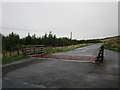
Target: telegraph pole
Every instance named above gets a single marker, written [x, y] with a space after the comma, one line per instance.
[71, 35]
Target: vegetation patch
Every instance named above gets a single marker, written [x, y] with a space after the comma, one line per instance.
[13, 43]
[9, 59]
[113, 48]
[63, 49]
[48, 50]
[112, 43]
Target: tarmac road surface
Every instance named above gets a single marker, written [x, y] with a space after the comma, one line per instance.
[52, 73]
[91, 50]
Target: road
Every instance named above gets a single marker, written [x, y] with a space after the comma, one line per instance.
[52, 73]
[91, 50]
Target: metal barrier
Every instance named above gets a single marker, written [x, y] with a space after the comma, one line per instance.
[33, 49]
[100, 56]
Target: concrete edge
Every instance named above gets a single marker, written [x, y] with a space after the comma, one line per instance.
[16, 65]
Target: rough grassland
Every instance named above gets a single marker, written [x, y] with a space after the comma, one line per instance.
[12, 58]
[63, 49]
[112, 43]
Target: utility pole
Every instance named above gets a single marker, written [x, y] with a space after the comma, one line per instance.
[71, 35]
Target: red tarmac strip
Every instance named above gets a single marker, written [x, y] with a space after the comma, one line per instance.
[68, 57]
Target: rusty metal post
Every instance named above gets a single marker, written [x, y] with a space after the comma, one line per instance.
[100, 56]
[102, 53]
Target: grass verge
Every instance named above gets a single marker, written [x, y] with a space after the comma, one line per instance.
[12, 58]
[63, 49]
[113, 48]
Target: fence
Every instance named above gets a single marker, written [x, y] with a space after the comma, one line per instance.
[33, 49]
[100, 56]
[12, 53]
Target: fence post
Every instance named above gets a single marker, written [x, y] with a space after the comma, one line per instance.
[4, 55]
[10, 53]
[34, 49]
[102, 53]
[18, 52]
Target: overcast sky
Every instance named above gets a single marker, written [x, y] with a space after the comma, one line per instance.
[84, 19]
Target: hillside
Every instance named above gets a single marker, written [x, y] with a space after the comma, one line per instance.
[112, 43]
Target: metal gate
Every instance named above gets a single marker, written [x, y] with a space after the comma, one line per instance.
[33, 50]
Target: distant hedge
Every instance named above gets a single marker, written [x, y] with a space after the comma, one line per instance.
[14, 42]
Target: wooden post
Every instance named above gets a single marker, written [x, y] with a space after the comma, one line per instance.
[34, 50]
[18, 52]
[10, 53]
[24, 50]
[4, 55]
